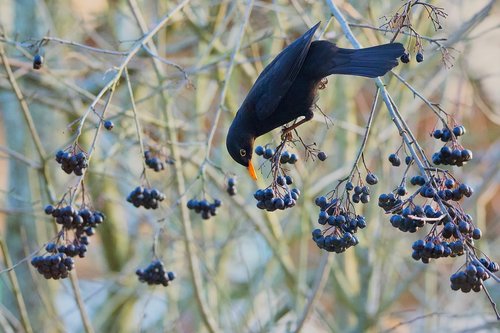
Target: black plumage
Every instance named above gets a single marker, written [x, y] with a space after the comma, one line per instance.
[287, 87]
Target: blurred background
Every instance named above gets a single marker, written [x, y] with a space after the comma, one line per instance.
[243, 270]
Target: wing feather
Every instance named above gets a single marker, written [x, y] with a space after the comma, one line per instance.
[275, 80]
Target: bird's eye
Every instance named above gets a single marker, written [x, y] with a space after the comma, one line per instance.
[243, 152]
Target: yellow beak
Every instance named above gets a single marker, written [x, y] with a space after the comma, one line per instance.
[251, 171]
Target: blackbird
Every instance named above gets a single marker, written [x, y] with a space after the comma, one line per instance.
[287, 87]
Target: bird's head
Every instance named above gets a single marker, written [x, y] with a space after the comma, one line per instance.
[240, 146]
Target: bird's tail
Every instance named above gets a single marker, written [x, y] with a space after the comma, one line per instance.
[369, 62]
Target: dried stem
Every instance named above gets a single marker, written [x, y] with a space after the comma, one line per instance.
[206, 315]
[14, 282]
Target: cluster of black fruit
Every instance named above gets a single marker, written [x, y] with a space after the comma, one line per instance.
[341, 225]
[472, 277]
[361, 193]
[445, 134]
[72, 162]
[285, 156]
[448, 189]
[148, 198]
[396, 161]
[436, 248]
[405, 58]
[155, 274]
[389, 201]
[271, 200]
[53, 266]
[153, 162]
[409, 218]
[447, 156]
[82, 221]
[231, 186]
[203, 207]
[77, 248]
[58, 262]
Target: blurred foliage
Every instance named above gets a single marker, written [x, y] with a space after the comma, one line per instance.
[244, 270]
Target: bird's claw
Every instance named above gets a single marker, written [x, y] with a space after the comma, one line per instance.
[286, 134]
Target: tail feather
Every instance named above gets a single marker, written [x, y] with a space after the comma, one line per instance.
[369, 62]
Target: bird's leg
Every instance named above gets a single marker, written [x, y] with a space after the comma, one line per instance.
[286, 132]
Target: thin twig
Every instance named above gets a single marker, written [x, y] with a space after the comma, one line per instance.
[20, 157]
[29, 121]
[82, 46]
[80, 303]
[137, 124]
[206, 314]
[21, 305]
[365, 136]
[321, 279]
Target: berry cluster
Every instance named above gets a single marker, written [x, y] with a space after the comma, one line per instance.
[155, 274]
[77, 247]
[405, 57]
[204, 208]
[82, 222]
[272, 199]
[285, 156]
[148, 198]
[446, 188]
[390, 201]
[426, 250]
[231, 186]
[71, 162]
[445, 134]
[472, 277]
[456, 155]
[53, 266]
[153, 162]
[341, 224]
[447, 156]
[361, 193]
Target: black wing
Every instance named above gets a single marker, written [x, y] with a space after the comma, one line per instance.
[275, 80]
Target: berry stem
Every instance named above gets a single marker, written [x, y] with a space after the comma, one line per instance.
[137, 125]
[365, 136]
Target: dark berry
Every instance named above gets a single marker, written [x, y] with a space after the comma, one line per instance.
[437, 133]
[371, 179]
[322, 156]
[459, 130]
[394, 160]
[268, 153]
[37, 61]
[419, 57]
[405, 58]
[108, 124]
[259, 150]
[285, 157]
[349, 186]
[293, 159]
